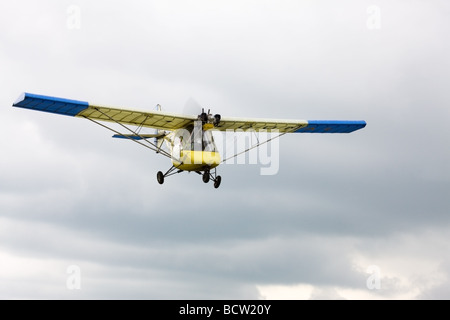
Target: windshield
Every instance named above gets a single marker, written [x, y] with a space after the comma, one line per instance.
[208, 141]
[198, 140]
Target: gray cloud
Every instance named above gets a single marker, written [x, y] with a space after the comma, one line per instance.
[69, 194]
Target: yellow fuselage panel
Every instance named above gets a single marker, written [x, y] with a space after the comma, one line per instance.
[196, 160]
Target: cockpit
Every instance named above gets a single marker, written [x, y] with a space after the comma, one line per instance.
[197, 139]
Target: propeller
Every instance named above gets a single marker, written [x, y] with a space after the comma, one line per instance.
[192, 107]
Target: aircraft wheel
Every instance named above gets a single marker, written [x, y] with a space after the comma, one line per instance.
[217, 182]
[160, 177]
[206, 177]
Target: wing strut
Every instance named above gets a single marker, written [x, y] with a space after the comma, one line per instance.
[255, 146]
[151, 146]
[129, 138]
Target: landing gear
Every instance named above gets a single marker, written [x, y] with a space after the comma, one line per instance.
[217, 182]
[160, 177]
[207, 176]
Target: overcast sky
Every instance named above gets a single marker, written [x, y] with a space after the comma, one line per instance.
[354, 216]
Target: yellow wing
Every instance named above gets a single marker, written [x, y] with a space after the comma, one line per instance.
[75, 108]
[152, 119]
[244, 124]
[169, 121]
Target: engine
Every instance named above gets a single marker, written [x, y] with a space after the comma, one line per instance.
[208, 118]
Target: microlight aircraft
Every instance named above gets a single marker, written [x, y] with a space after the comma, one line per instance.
[188, 139]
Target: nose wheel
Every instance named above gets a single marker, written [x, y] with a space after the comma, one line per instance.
[217, 182]
[205, 176]
[208, 176]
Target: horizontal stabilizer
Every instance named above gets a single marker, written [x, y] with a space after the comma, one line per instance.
[139, 137]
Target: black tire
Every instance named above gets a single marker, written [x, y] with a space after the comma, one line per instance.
[217, 182]
[206, 177]
[160, 177]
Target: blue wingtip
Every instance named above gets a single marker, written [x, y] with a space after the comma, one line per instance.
[333, 126]
[50, 104]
